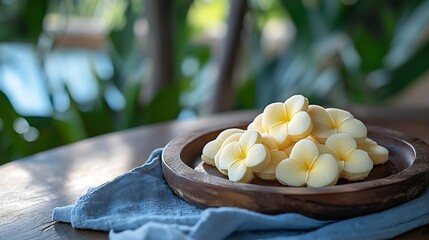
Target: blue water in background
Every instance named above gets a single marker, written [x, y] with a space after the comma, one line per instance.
[21, 79]
[39, 85]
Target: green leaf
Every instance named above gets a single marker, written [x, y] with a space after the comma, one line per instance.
[300, 17]
[33, 15]
[164, 106]
[409, 72]
[246, 95]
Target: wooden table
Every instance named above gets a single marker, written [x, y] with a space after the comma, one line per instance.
[31, 187]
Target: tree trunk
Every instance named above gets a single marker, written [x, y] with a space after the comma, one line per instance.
[223, 95]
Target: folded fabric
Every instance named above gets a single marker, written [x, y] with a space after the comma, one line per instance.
[140, 205]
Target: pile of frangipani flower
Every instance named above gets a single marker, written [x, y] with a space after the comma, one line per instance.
[298, 145]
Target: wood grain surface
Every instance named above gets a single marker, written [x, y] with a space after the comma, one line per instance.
[31, 187]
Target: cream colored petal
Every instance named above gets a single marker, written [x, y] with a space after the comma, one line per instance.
[217, 157]
[300, 126]
[248, 177]
[358, 161]
[207, 160]
[338, 115]
[280, 134]
[340, 166]
[321, 131]
[217, 164]
[210, 150]
[367, 144]
[238, 172]
[296, 104]
[370, 141]
[230, 153]
[248, 139]
[323, 149]
[319, 114]
[228, 132]
[285, 143]
[342, 144]
[288, 149]
[323, 124]
[277, 156]
[292, 172]
[233, 138]
[354, 176]
[269, 173]
[324, 171]
[274, 114]
[257, 158]
[257, 125]
[354, 128]
[377, 153]
[305, 151]
[269, 142]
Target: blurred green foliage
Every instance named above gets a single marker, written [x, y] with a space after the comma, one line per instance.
[334, 52]
[348, 52]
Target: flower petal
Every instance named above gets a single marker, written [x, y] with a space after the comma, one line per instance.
[305, 151]
[257, 158]
[291, 172]
[300, 126]
[288, 150]
[323, 149]
[257, 125]
[251, 126]
[323, 124]
[342, 144]
[210, 150]
[239, 173]
[269, 142]
[323, 172]
[319, 114]
[233, 138]
[280, 135]
[230, 153]
[223, 171]
[377, 153]
[274, 114]
[338, 115]
[248, 139]
[354, 128]
[228, 132]
[321, 131]
[269, 173]
[296, 104]
[358, 161]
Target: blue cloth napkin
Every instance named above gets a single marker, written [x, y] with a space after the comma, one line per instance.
[140, 205]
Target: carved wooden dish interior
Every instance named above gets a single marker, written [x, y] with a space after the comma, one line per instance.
[402, 178]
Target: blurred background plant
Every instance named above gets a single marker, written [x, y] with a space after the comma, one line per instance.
[74, 69]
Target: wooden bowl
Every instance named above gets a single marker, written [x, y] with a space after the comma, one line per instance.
[401, 179]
